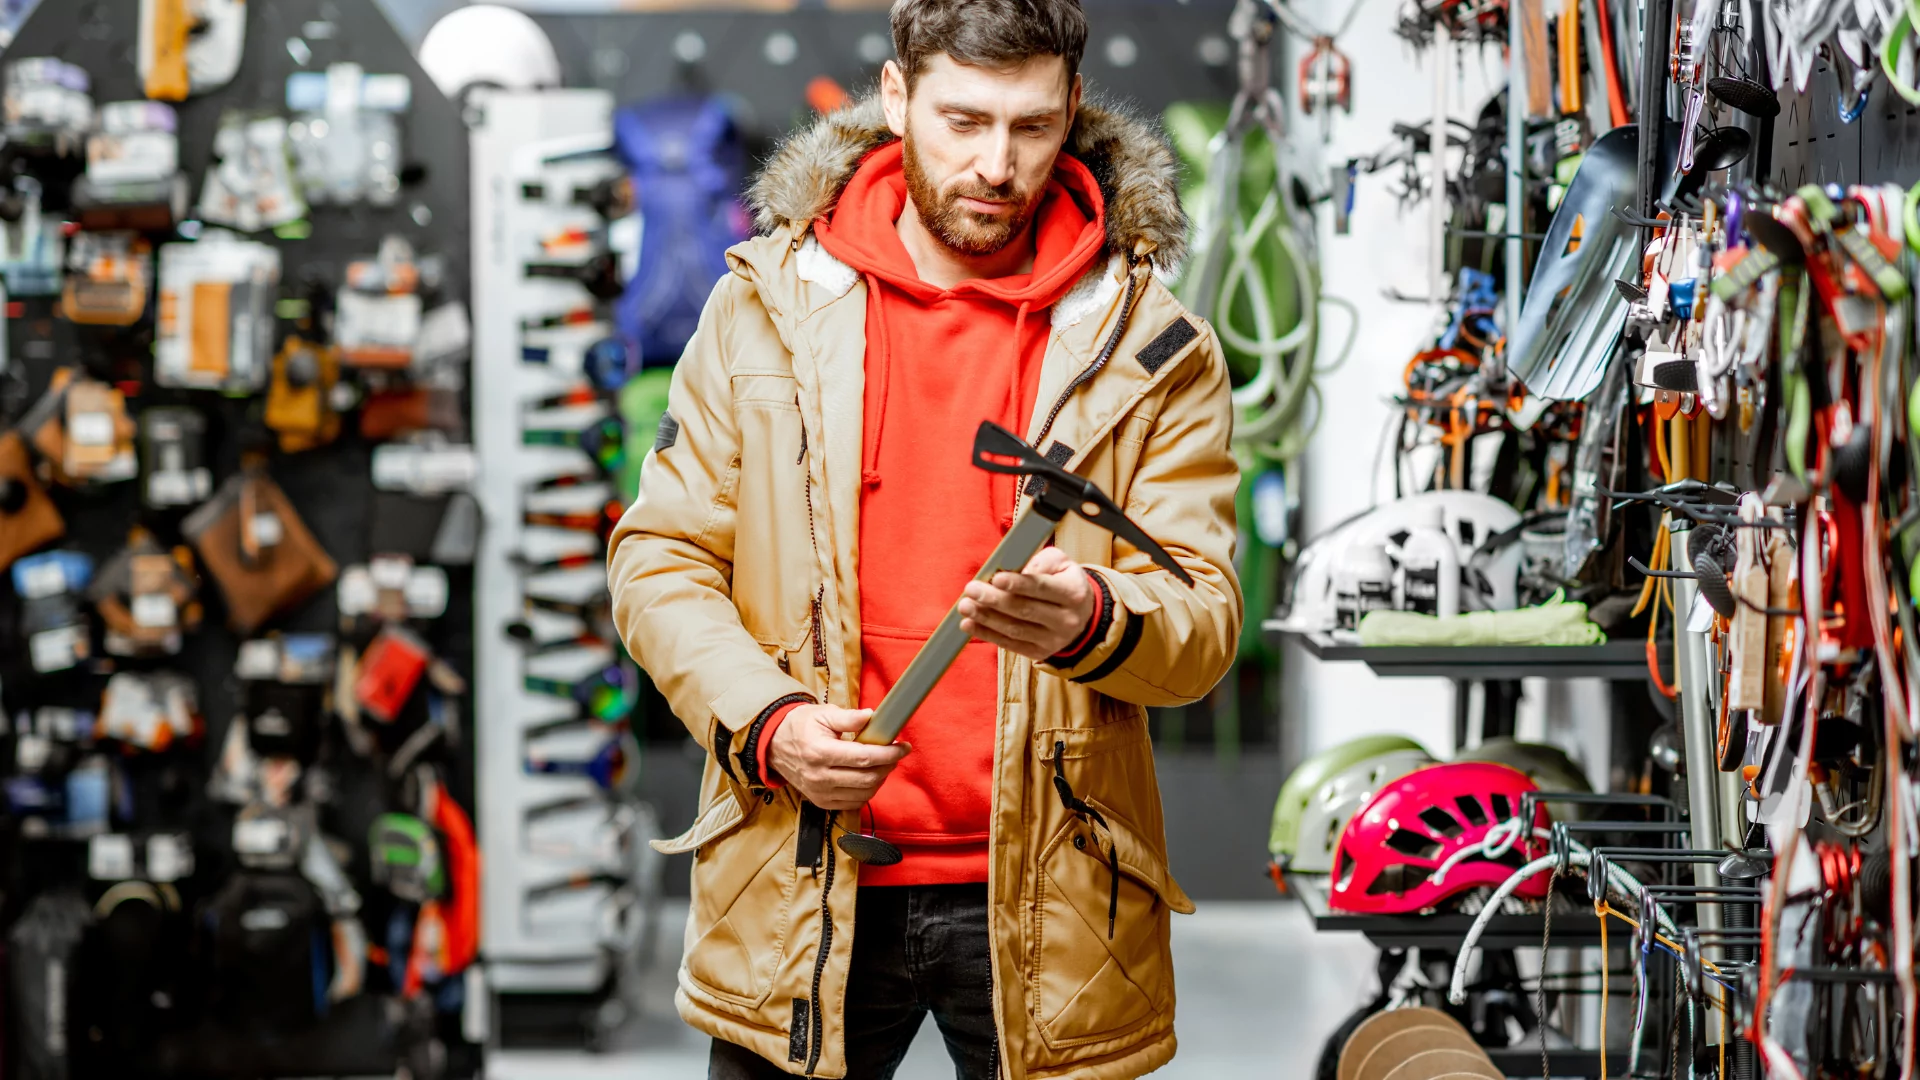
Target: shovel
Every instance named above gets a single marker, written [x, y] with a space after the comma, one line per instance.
[1055, 493]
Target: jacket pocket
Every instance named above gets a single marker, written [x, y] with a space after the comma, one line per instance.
[742, 897]
[773, 562]
[1102, 967]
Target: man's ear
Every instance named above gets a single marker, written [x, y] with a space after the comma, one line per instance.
[1073, 101]
[893, 97]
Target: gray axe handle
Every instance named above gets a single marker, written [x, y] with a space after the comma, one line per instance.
[1026, 538]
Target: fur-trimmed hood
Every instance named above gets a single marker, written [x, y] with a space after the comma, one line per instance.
[1137, 173]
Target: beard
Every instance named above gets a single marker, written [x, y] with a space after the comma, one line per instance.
[965, 231]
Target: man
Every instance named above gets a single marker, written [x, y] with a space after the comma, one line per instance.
[975, 244]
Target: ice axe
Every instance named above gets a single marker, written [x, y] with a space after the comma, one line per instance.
[1055, 493]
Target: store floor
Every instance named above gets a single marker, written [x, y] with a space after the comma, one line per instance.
[1258, 992]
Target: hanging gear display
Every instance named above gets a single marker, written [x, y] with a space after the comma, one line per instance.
[688, 164]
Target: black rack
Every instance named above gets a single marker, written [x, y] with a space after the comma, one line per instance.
[1570, 929]
[1617, 660]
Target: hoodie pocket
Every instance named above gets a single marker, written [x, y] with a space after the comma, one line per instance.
[1102, 967]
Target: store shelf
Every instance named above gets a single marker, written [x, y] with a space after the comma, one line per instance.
[1624, 660]
[1523, 1062]
[1439, 931]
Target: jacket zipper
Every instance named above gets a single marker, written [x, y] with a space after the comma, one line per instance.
[813, 539]
[1100, 361]
[818, 1034]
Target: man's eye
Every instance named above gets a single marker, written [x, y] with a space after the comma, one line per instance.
[1034, 130]
[961, 125]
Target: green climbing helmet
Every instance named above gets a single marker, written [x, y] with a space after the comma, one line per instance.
[1546, 765]
[1327, 789]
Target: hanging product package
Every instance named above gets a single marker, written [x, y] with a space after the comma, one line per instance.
[148, 598]
[270, 937]
[346, 134]
[250, 185]
[189, 47]
[254, 544]
[216, 321]
[173, 455]
[133, 178]
[40, 956]
[109, 276]
[28, 518]
[300, 406]
[378, 312]
[687, 160]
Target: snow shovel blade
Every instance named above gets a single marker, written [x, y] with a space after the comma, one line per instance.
[1572, 295]
[1055, 493]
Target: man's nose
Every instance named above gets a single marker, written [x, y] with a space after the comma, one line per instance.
[995, 164]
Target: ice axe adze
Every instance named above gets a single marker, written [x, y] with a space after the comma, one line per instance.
[1055, 493]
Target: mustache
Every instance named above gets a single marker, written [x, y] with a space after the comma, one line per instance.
[1007, 192]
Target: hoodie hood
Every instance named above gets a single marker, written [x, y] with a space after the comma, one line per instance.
[1137, 175]
[863, 232]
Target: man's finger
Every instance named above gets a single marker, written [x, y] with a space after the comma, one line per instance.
[1006, 625]
[982, 633]
[1048, 560]
[1045, 587]
[853, 755]
[847, 719]
[1040, 611]
[1010, 609]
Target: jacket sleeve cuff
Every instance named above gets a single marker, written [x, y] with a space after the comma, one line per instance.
[1116, 631]
[750, 754]
[762, 742]
[1097, 626]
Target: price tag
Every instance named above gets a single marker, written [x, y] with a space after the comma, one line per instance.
[110, 857]
[426, 590]
[155, 611]
[169, 857]
[44, 578]
[90, 429]
[267, 530]
[169, 489]
[259, 836]
[258, 659]
[57, 649]
[30, 752]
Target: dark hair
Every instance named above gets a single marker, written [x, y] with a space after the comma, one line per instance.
[987, 33]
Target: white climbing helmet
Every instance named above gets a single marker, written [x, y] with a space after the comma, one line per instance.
[488, 45]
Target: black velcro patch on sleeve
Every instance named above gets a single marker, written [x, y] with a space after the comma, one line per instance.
[1171, 340]
[1059, 453]
[668, 434]
[802, 1028]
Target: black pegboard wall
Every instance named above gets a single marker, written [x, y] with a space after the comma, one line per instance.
[331, 487]
[1144, 54]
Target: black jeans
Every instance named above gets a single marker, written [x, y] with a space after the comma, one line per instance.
[917, 949]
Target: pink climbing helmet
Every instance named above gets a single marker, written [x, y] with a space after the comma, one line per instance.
[1395, 847]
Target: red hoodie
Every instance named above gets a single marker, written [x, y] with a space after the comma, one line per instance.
[938, 362]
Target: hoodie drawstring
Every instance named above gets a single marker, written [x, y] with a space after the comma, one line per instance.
[870, 467]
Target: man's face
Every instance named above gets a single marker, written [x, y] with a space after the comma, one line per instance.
[980, 144]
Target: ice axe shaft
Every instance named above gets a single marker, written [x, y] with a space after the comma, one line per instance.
[1056, 493]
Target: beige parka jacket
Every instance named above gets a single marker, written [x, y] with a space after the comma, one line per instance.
[734, 585]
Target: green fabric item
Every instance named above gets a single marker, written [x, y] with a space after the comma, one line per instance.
[1553, 623]
[642, 401]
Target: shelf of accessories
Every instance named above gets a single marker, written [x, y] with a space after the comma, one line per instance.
[1614, 660]
[538, 934]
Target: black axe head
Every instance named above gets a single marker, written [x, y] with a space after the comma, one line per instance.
[998, 450]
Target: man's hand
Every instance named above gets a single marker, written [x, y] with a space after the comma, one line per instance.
[1037, 613]
[830, 772]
